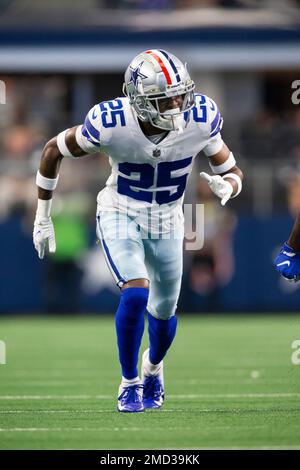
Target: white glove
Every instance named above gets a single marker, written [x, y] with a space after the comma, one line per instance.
[43, 231]
[219, 186]
[43, 234]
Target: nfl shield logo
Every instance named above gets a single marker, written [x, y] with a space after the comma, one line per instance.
[156, 153]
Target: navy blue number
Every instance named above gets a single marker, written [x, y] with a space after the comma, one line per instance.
[112, 112]
[145, 177]
[145, 181]
[199, 110]
[164, 178]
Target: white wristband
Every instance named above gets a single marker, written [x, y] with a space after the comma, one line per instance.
[43, 208]
[238, 180]
[46, 183]
[62, 146]
[227, 165]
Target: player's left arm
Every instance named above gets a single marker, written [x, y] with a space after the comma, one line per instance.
[227, 180]
[287, 262]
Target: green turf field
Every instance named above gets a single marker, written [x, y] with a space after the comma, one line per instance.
[229, 383]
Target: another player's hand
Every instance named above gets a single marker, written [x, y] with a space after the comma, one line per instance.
[43, 235]
[220, 187]
[287, 262]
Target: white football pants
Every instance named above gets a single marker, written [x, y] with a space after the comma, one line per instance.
[131, 254]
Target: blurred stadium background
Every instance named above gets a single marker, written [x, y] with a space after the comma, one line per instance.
[58, 58]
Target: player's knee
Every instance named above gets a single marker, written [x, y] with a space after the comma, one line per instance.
[136, 283]
[165, 316]
[165, 309]
[136, 298]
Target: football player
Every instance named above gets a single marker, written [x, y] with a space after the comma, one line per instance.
[151, 137]
[287, 262]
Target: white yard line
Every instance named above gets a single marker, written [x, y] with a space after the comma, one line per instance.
[236, 395]
[55, 397]
[71, 429]
[134, 428]
[113, 410]
[176, 397]
[84, 411]
[95, 411]
[4, 412]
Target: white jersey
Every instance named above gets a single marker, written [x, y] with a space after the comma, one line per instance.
[148, 180]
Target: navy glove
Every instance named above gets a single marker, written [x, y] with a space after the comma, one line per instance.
[287, 262]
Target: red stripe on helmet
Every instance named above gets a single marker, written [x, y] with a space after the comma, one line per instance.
[162, 66]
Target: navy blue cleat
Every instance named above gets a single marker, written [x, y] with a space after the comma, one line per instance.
[153, 384]
[130, 398]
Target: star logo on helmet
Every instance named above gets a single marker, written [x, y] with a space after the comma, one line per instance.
[136, 74]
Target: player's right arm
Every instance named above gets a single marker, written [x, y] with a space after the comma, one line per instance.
[71, 143]
[287, 262]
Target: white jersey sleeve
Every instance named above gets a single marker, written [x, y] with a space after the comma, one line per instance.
[214, 122]
[100, 124]
[88, 135]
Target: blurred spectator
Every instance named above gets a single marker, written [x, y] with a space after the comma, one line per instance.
[62, 276]
[18, 142]
[212, 267]
[293, 195]
[4, 5]
[155, 4]
[290, 135]
[259, 136]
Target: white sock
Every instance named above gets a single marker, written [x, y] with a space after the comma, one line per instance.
[151, 369]
[127, 382]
